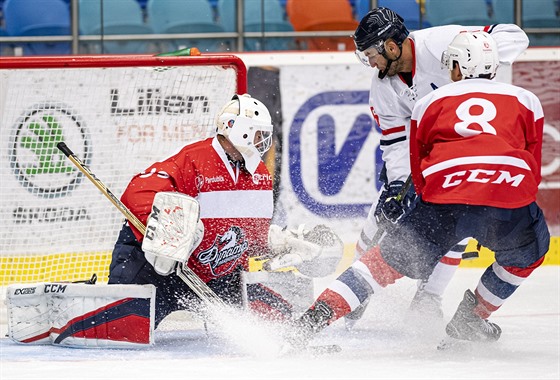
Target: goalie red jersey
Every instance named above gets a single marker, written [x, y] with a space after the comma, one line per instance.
[500, 166]
[235, 206]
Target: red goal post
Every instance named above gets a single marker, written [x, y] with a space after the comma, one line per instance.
[118, 114]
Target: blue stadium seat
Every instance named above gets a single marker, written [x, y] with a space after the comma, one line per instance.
[119, 17]
[143, 3]
[361, 8]
[5, 48]
[407, 9]
[461, 12]
[192, 16]
[541, 14]
[503, 11]
[535, 14]
[38, 18]
[274, 21]
[227, 14]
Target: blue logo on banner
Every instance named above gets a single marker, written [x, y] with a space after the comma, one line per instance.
[333, 169]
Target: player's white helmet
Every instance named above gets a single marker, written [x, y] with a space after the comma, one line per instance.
[476, 53]
[246, 122]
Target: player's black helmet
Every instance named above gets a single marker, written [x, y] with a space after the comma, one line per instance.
[377, 26]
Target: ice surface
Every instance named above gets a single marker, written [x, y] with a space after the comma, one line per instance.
[385, 344]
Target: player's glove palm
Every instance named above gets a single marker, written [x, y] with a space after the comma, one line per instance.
[389, 207]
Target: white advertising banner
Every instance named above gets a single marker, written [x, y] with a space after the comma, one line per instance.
[116, 120]
[331, 153]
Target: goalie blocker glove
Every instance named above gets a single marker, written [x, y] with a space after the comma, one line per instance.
[173, 231]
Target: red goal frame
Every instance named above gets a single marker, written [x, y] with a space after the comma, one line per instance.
[39, 62]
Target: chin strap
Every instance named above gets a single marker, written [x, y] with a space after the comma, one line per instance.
[383, 73]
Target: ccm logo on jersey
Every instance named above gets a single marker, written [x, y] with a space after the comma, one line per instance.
[482, 176]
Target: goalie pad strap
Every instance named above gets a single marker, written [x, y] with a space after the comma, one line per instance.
[79, 315]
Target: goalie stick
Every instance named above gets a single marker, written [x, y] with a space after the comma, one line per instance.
[183, 271]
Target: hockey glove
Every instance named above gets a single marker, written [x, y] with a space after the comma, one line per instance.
[173, 231]
[315, 252]
[389, 207]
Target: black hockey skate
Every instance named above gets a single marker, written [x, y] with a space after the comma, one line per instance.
[466, 325]
[303, 329]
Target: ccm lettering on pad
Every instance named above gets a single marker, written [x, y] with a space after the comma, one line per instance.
[80, 315]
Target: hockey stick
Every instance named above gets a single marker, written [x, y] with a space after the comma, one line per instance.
[380, 231]
[183, 271]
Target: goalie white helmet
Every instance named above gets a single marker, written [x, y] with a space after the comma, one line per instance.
[247, 124]
[475, 52]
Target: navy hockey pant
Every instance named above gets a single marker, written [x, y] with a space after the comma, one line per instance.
[519, 237]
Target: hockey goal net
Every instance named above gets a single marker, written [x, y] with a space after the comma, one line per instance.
[118, 114]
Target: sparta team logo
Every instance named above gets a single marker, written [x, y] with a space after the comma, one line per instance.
[223, 255]
[34, 157]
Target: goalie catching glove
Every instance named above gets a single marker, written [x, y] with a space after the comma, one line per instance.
[173, 231]
[315, 252]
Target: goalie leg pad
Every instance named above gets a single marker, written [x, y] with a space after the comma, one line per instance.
[80, 315]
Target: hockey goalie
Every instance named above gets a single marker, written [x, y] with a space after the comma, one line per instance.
[123, 315]
[204, 214]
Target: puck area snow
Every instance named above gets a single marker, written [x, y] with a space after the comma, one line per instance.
[386, 343]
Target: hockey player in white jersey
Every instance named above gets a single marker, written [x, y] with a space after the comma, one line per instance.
[475, 156]
[407, 67]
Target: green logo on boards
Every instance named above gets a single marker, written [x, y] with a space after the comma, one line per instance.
[43, 136]
[36, 161]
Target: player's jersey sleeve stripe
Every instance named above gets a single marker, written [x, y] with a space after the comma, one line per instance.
[389, 131]
[236, 204]
[500, 160]
[392, 141]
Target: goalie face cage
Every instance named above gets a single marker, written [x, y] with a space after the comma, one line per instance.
[118, 114]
